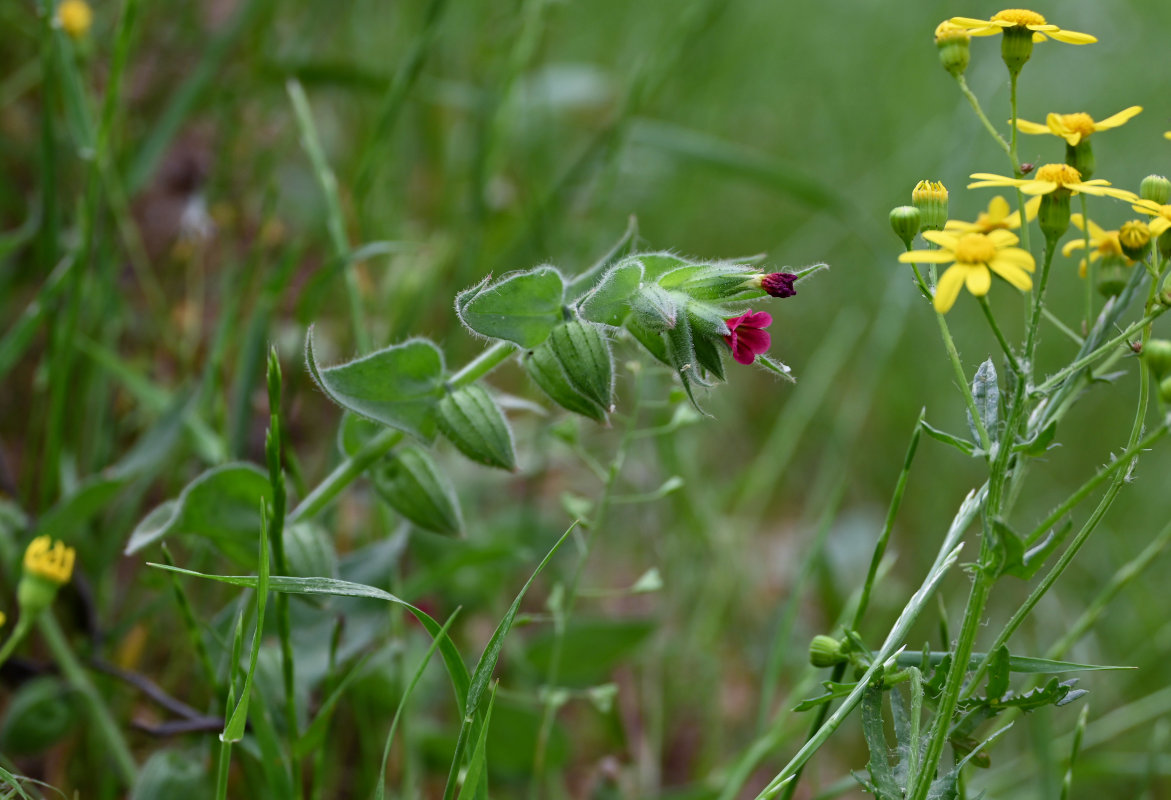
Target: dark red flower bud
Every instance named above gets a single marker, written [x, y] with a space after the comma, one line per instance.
[779, 284]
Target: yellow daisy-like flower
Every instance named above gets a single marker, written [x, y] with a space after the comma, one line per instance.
[50, 560]
[976, 257]
[997, 217]
[75, 17]
[1021, 18]
[1074, 128]
[1050, 178]
[1167, 135]
[1101, 243]
[1161, 214]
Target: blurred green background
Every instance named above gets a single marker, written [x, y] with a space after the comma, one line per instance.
[477, 138]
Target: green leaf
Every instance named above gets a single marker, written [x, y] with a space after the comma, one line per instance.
[609, 302]
[522, 307]
[986, 395]
[222, 504]
[872, 729]
[1040, 442]
[476, 778]
[482, 674]
[655, 265]
[456, 668]
[998, 669]
[173, 775]
[650, 339]
[472, 421]
[39, 714]
[397, 386]
[412, 484]
[1024, 564]
[1021, 664]
[963, 445]
[654, 308]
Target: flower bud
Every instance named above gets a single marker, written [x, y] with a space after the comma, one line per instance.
[546, 371]
[586, 359]
[778, 284]
[826, 651]
[1165, 389]
[1053, 215]
[1157, 354]
[1112, 276]
[952, 42]
[930, 197]
[411, 483]
[472, 421]
[1155, 188]
[48, 565]
[905, 222]
[1134, 237]
[75, 18]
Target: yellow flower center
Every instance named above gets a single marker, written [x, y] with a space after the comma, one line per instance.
[1080, 122]
[1019, 16]
[1135, 234]
[1061, 174]
[975, 248]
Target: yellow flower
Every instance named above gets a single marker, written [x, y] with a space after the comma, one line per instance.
[50, 560]
[75, 17]
[995, 218]
[976, 257]
[1012, 18]
[1134, 236]
[1101, 243]
[1074, 128]
[1050, 178]
[3, 619]
[1167, 135]
[1161, 214]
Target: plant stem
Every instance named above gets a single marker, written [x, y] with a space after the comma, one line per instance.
[965, 388]
[75, 673]
[1059, 377]
[1009, 150]
[1004, 345]
[1038, 300]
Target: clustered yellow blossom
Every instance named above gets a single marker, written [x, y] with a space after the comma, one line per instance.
[1074, 128]
[997, 217]
[1101, 242]
[75, 17]
[1161, 214]
[976, 256]
[1017, 18]
[50, 560]
[1051, 177]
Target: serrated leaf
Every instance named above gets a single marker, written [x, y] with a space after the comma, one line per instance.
[609, 302]
[585, 358]
[521, 307]
[412, 484]
[963, 445]
[471, 420]
[872, 728]
[1040, 442]
[222, 504]
[397, 386]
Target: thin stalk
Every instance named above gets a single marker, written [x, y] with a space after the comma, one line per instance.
[1009, 150]
[1004, 345]
[75, 673]
[965, 387]
[1057, 378]
[1038, 300]
[1089, 276]
[1015, 158]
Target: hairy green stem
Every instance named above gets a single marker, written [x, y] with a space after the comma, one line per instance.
[1009, 150]
[965, 388]
[1004, 345]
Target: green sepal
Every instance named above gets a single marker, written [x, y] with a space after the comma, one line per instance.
[652, 340]
[521, 307]
[545, 369]
[609, 302]
[584, 355]
[654, 308]
[472, 421]
[412, 484]
[712, 282]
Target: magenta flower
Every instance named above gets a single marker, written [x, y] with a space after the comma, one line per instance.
[747, 335]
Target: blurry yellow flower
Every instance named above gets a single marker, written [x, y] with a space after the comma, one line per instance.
[3, 619]
[948, 31]
[995, 218]
[1021, 18]
[1161, 214]
[1167, 135]
[1102, 243]
[1134, 236]
[50, 560]
[1050, 178]
[1073, 128]
[75, 17]
[976, 257]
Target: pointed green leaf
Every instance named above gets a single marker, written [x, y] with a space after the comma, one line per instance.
[963, 445]
[998, 668]
[397, 386]
[234, 728]
[521, 307]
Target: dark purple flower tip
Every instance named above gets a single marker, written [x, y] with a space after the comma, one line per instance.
[779, 284]
[747, 335]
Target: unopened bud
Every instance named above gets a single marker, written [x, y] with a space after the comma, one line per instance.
[952, 42]
[1157, 355]
[1134, 237]
[75, 18]
[1112, 276]
[1053, 215]
[472, 421]
[826, 651]
[905, 222]
[1080, 156]
[930, 197]
[1155, 188]
[1016, 47]
[779, 284]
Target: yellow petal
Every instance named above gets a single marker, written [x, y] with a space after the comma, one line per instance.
[1077, 221]
[927, 257]
[1096, 231]
[1031, 208]
[989, 176]
[1024, 126]
[1069, 247]
[969, 22]
[1072, 37]
[958, 226]
[1148, 207]
[1159, 225]
[1115, 120]
[949, 288]
[998, 208]
[1012, 273]
[1037, 187]
[1015, 255]
[979, 281]
[1002, 238]
[1167, 134]
[1038, 37]
[1044, 26]
[1071, 139]
[942, 239]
